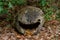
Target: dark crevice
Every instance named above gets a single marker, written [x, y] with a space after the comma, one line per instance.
[29, 26]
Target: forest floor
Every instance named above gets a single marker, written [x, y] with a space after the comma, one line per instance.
[50, 31]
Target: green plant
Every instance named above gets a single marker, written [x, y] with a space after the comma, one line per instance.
[5, 5]
[58, 15]
[42, 3]
[48, 13]
[47, 10]
[2, 9]
[18, 2]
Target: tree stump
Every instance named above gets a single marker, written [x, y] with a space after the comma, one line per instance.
[29, 20]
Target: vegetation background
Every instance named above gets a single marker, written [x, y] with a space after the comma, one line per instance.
[50, 7]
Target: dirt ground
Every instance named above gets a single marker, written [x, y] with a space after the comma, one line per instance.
[50, 31]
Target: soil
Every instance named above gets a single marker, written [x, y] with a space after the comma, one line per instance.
[50, 31]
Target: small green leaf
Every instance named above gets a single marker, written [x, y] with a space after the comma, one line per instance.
[1, 3]
[1, 9]
[10, 5]
[42, 2]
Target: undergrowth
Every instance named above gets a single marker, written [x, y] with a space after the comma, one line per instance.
[46, 6]
[49, 9]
